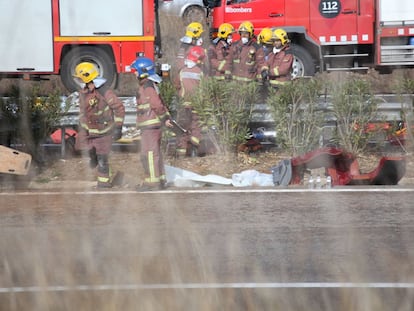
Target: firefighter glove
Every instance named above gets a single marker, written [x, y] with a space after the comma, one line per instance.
[117, 133]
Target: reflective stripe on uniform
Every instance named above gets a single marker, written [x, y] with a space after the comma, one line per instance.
[190, 75]
[99, 132]
[195, 140]
[151, 168]
[149, 122]
[242, 79]
[276, 82]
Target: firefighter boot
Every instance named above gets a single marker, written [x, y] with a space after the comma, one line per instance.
[103, 171]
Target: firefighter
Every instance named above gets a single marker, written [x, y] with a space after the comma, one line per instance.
[101, 116]
[265, 40]
[190, 77]
[191, 38]
[278, 66]
[218, 53]
[246, 54]
[152, 114]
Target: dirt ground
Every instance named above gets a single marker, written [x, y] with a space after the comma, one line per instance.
[74, 171]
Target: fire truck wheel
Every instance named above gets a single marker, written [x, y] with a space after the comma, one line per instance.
[87, 54]
[303, 64]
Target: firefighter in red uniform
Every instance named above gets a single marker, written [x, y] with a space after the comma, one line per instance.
[190, 77]
[191, 38]
[246, 54]
[101, 115]
[219, 54]
[152, 114]
[278, 66]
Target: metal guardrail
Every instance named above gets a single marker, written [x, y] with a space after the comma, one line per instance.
[390, 108]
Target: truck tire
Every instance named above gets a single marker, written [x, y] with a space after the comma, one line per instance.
[303, 64]
[87, 54]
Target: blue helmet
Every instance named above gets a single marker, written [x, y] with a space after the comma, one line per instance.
[146, 69]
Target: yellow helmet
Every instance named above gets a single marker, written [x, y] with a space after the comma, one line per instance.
[247, 27]
[194, 30]
[86, 71]
[265, 36]
[281, 35]
[225, 30]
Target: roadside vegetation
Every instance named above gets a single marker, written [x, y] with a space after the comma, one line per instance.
[29, 118]
[308, 113]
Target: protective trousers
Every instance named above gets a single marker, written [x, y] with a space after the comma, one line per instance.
[151, 157]
[99, 149]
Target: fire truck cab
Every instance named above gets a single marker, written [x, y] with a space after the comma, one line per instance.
[329, 35]
[52, 36]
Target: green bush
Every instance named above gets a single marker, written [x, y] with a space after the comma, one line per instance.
[31, 117]
[405, 91]
[297, 116]
[354, 107]
[225, 107]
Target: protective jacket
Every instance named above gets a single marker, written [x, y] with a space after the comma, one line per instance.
[99, 114]
[279, 66]
[189, 80]
[220, 59]
[247, 59]
[151, 111]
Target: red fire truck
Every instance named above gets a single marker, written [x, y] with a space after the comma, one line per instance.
[52, 36]
[331, 34]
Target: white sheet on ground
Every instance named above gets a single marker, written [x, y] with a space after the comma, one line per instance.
[184, 178]
[252, 178]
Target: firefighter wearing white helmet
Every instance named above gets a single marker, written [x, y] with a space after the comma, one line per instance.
[152, 115]
[101, 116]
[278, 66]
[246, 55]
[219, 54]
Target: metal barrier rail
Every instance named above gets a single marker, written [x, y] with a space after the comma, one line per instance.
[390, 108]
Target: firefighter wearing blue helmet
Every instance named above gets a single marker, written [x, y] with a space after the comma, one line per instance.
[152, 115]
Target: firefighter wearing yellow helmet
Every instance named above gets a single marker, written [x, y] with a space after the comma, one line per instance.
[278, 65]
[218, 52]
[246, 55]
[101, 116]
[192, 37]
[265, 40]
[194, 30]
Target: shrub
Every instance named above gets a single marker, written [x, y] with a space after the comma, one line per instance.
[405, 89]
[354, 107]
[31, 118]
[298, 119]
[225, 107]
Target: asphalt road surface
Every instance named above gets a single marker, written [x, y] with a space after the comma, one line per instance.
[345, 248]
